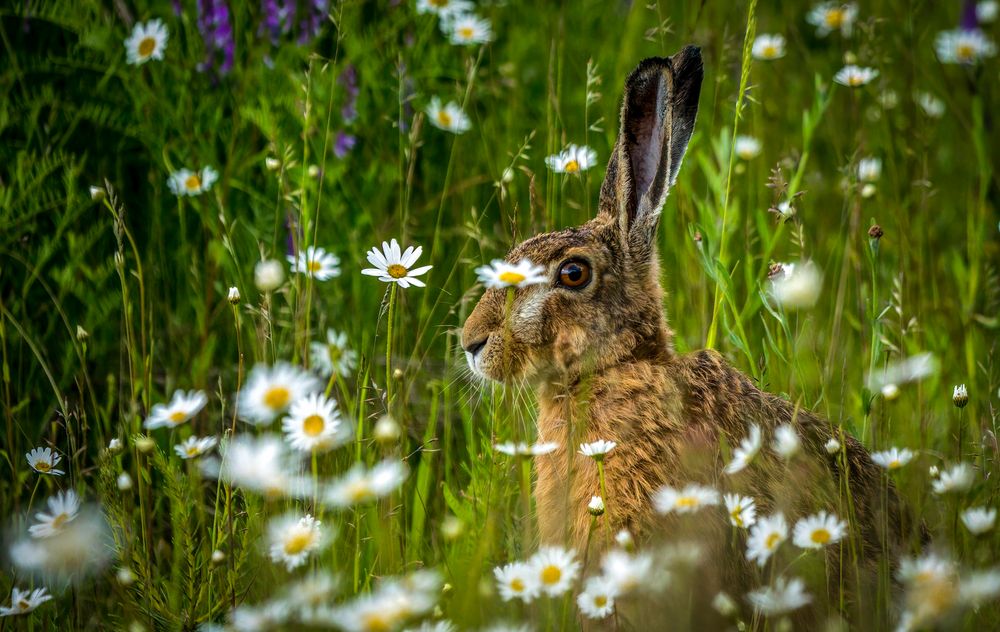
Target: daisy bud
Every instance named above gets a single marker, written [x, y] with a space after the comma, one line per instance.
[387, 430]
[397, 374]
[890, 391]
[234, 295]
[832, 446]
[933, 471]
[218, 557]
[268, 275]
[875, 232]
[81, 333]
[273, 164]
[145, 444]
[850, 57]
[960, 396]
[724, 604]
[624, 539]
[115, 445]
[452, 527]
[124, 481]
[125, 576]
[697, 238]
[596, 506]
[313, 171]
[868, 190]
[97, 193]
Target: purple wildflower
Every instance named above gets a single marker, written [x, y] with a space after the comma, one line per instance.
[216, 30]
[344, 143]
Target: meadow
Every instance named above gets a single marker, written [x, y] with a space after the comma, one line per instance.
[239, 242]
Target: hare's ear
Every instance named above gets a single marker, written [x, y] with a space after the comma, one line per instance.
[657, 118]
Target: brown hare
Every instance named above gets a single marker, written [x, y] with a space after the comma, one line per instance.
[594, 343]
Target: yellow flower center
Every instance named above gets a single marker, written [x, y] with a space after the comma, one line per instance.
[772, 541]
[737, 517]
[856, 79]
[193, 182]
[600, 601]
[466, 32]
[376, 622]
[517, 585]
[688, 502]
[276, 397]
[359, 492]
[314, 266]
[439, 3]
[298, 542]
[147, 46]
[834, 18]
[177, 416]
[572, 166]
[313, 425]
[60, 520]
[192, 450]
[551, 574]
[444, 119]
[820, 536]
[23, 604]
[964, 52]
[893, 464]
[770, 51]
[396, 271]
[43, 466]
[510, 277]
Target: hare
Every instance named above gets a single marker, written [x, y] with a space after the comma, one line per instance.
[594, 344]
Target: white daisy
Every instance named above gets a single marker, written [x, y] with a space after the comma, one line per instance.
[314, 424]
[500, 274]
[893, 458]
[517, 581]
[987, 11]
[978, 587]
[524, 449]
[449, 117]
[596, 506]
[573, 159]
[597, 600]
[747, 147]
[928, 569]
[394, 266]
[963, 46]
[819, 530]
[742, 510]
[786, 441]
[269, 391]
[747, 450]
[767, 46]
[832, 446]
[555, 569]
[193, 447]
[44, 461]
[765, 538]
[626, 572]
[960, 395]
[724, 604]
[467, 29]
[784, 596]
[979, 520]
[833, 16]
[268, 275]
[597, 449]
[957, 479]
[334, 356]
[444, 8]
[262, 464]
[797, 286]
[687, 500]
[63, 508]
[293, 539]
[361, 485]
[869, 169]
[186, 182]
[315, 262]
[930, 104]
[182, 407]
[147, 41]
[24, 601]
[855, 76]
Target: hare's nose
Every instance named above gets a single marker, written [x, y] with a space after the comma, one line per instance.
[475, 346]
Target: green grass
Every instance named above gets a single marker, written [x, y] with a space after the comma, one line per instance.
[107, 307]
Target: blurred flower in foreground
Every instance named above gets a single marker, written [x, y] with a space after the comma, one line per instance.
[958, 478]
[293, 539]
[930, 104]
[147, 41]
[186, 182]
[869, 169]
[334, 356]
[893, 458]
[687, 500]
[193, 447]
[911, 369]
[500, 274]
[855, 76]
[524, 449]
[268, 275]
[449, 117]
[269, 391]
[516, 581]
[963, 46]
[182, 407]
[597, 600]
[44, 461]
[361, 485]
[572, 159]
[67, 543]
[784, 596]
[833, 16]
[315, 262]
[24, 601]
[765, 538]
[443, 8]
[63, 508]
[466, 29]
[747, 450]
[393, 266]
[768, 46]
[979, 520]
[261, 464]
[987, 11]
[747, 147]
[797, 285]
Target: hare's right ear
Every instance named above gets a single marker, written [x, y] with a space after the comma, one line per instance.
[657, 118]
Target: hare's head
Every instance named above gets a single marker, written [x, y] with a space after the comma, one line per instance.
[601, 303]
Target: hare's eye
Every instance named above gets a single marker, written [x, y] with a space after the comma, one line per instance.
[574, 274]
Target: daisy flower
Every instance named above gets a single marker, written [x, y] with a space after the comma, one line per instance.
[724, 604]
[182, 407]
[832, 446]
[293, 539]
[44, 461]
[24, 601]
[742, 510]
[449, 117]
[334, 356]
[960, 395]
[797, 286]
[517, 581]
[869, 169]
[467, 29]
[784, 596]
[269, 391]
[963, 46]
[976, 588]
[555, 569]
[786, 441]
[930, 104]
[500, 274]
[626, 572]
[688, 500]
[523, 449]
[747, 147]
[262, 464]
[186, 182]
[833, 16]
[63, 508]
[596, 506]
[597, 600]
[765, 538]
[767, 46]
[928, 569]
[314, 424]
[597, 450]
[444, 8]
[147, 41]
[193, 447]
[819, 530]
[573, 159]
[393, 266]
[268, 275]
[361, 485]
[315, 262]
[979, 520]
[957, 479]
[987, 11]
[747, 450]
[893, 458]
[855, 76]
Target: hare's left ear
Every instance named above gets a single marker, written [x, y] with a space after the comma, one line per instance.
[657, 118]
